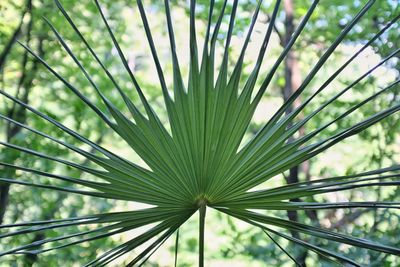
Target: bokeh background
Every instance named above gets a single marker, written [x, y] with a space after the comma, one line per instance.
[228, 242]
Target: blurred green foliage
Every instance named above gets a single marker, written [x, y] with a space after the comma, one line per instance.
[240, 246]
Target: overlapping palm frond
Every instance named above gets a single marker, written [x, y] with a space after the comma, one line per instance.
[199, 162]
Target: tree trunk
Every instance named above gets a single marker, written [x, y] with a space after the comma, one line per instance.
[292, 83]
[16, 112]
[14, 36]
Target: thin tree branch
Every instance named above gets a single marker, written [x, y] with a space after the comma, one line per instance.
[14, 36]
[277, 31]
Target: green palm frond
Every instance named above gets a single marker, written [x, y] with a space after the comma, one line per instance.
[200, 161]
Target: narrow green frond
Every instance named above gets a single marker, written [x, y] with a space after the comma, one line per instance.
[207, 152]
[314, 231]
[281, 248]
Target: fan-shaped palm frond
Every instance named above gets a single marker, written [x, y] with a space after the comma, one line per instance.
[199, 161]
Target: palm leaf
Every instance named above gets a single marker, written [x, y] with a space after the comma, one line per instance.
[199, 162]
